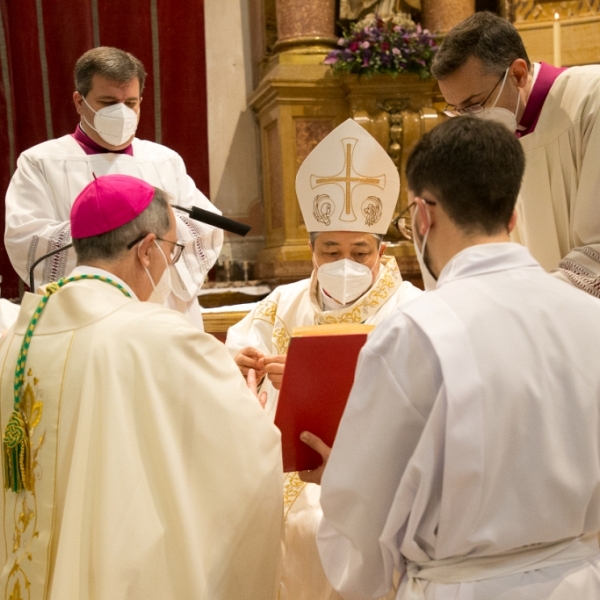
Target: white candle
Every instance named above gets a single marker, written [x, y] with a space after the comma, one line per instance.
[556, 45]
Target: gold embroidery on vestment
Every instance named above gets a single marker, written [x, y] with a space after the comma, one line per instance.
[376, 296]
[16, 593]
[281, 337]
[26, 510]
[292, 488]
[266, 311]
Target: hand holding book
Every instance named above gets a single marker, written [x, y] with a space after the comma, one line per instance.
[319, 373]
[318, 445]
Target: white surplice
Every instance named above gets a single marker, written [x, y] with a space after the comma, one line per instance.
[157, 473]
[559, 207]
[51, 175]
[8, 314]
[472, 430]
[268, 328]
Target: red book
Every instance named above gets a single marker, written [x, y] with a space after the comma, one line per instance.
[318, 376]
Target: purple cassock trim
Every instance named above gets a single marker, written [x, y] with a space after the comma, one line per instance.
[89, 146]
[546, 77]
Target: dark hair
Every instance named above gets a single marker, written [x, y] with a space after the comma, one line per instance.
[314, 234]
[112, 245]
[484, 35]
[474, 168]
[111, 63]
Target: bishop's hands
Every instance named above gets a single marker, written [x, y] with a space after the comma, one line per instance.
[265, 366]
[250, 358]
[318, 445]
[252, 383]
[273, 369]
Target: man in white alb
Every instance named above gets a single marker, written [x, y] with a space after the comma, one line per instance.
[137, 464]
[483, 70]
[109, 84]
[352, 282]
[468, 455]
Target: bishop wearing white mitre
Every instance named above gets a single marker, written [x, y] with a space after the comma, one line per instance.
[347, 188]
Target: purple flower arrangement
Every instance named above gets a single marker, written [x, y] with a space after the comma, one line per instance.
[386, 47]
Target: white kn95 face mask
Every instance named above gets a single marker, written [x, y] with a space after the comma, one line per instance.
[344, 280]
[115, 124]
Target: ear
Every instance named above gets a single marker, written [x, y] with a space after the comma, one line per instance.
[382, 248]
[78, 101]
[425, 216]
[513, 221]
[144, 248]
[519, 71]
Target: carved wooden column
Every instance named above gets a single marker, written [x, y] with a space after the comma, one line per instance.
[442, 15]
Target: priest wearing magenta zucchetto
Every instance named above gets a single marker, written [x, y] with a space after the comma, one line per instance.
[129, 436]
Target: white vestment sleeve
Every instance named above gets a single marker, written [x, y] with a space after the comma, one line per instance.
[203, 243]
[49, 178]
[381, 426]
[35, 224]
[199, 476]
[581, 266]
[251, 331]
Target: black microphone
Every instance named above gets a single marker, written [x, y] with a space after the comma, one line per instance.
[39, 260]
[198, 214]
[216, 220]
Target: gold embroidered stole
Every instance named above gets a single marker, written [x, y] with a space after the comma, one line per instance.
[29, 515]
[388, 280]
[383, 289]
[385, 286]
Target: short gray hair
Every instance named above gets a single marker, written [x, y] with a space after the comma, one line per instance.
[484, 35]
[314, 234]
[111, 63]
[112, 245]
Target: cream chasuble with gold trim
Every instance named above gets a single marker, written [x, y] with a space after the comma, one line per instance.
[268, 328]
[28, 516]
[145, 438]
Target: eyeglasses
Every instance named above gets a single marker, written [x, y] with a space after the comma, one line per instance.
[473, 109]
[175, 253]
[403, 224]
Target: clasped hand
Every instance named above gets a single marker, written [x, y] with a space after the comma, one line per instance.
[265, 366]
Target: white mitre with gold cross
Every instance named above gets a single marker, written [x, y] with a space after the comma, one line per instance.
[348, 183]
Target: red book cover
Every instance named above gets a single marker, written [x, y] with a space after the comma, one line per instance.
[318, 376]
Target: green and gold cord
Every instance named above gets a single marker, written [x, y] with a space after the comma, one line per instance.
[16, 439]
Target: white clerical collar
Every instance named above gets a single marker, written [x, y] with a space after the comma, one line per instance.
[486, 258]
[86, 270]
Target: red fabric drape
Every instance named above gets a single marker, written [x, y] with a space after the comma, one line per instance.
[32, 112]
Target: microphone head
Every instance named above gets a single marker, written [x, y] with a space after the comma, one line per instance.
[216, 220]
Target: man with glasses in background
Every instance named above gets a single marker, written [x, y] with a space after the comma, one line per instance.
[483, 70]
[129, 435]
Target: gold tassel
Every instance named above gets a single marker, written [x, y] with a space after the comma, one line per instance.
[16, 454]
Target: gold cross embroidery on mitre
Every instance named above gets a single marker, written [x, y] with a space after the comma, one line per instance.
[350, 178]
